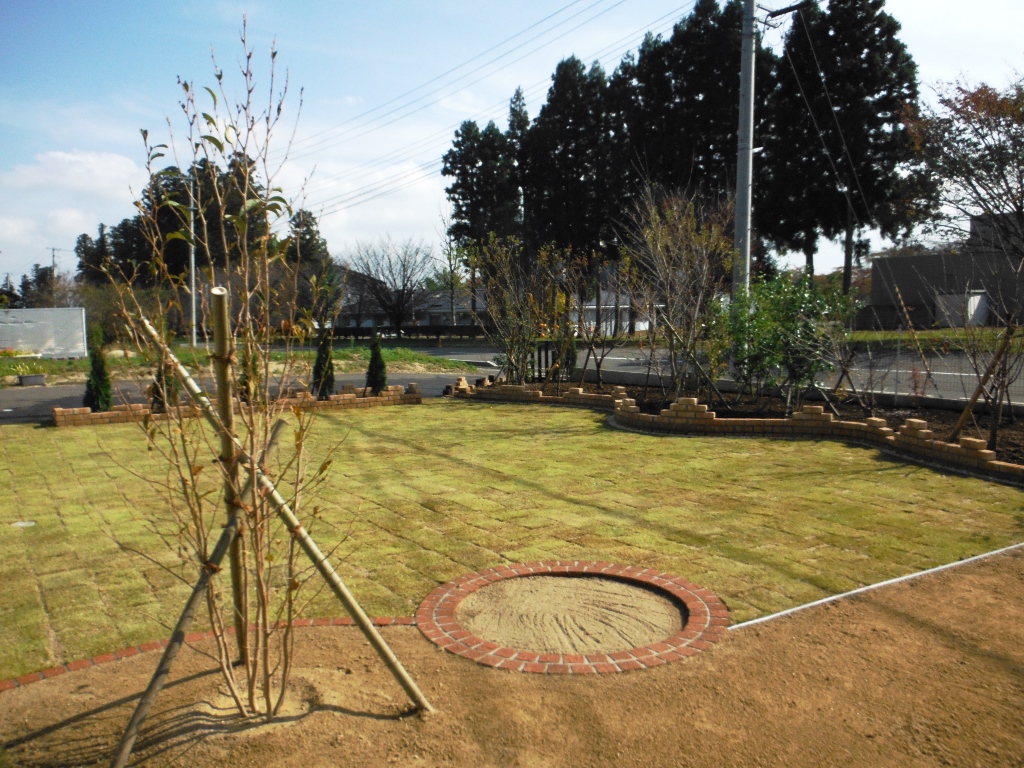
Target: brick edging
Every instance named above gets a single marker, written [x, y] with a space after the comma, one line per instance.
[192, 637]
[136, 412]
[912, 441]
[706, 621]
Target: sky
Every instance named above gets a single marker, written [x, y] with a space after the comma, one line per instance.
[383, 87]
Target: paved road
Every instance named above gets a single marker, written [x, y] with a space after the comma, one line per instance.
[35, 404]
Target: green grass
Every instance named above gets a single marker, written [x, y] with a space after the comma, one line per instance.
[437, 490]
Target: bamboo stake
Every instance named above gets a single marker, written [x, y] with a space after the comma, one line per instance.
[305, 540]
[222, 353]
[188, 615]
[1003, 346]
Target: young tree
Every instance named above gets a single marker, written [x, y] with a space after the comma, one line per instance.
[323, 368]
[679, 252]
[377, 371]
[974, 144]
[98, 395]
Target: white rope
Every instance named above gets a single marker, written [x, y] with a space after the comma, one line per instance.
[879, 585]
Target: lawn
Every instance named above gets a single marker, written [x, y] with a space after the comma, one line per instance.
[430, 492]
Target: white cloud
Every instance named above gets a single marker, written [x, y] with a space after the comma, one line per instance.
[60, 195]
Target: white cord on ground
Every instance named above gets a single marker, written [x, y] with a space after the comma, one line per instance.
[880, 584]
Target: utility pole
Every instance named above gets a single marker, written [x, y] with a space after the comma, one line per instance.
[53, 275]
[745, 145]
[745, 155]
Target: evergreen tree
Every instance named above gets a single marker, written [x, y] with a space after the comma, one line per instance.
[377, 372]
[98, 395]
[323, 368]
[164, 391]
[840, 150]
[569, 189]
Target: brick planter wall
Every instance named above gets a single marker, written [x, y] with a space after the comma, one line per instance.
[912, 440]
[525, 393]
[349, 398]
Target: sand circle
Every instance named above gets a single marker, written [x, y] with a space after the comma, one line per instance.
[554, 613]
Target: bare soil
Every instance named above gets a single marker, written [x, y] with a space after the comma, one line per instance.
[555, 614]
[929, 672]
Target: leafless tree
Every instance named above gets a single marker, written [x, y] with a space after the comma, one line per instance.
[398, 271]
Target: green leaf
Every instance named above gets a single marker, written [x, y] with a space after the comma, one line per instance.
[209, 119]
[213, 140]
[181, 234]
[212, 95]
[252, 203]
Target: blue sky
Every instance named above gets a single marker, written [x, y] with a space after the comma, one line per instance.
[78, 81]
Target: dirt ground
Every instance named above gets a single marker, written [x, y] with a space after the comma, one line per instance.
[930, 672]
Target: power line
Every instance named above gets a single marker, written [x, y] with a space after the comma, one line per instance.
[835, 117]
[374, 191]
[345, 133]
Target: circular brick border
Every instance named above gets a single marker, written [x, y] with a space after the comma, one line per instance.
[707, 619]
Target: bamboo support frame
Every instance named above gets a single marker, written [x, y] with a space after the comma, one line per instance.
[188, 615]
[1003, 347]
[301, 535]
[222, 354]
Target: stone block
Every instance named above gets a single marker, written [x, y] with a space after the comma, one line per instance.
[814, 409]
[916, 424]
[973, 443]
[877, 423]
[687, 401]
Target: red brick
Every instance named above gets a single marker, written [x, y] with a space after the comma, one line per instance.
[598, 658]
[527, 656]
[53, 672]
[659, 647]
[629, 666]
[383, 621]
[620, 656]
[700, 645]
[573, 658]
[491, 661]
[473, 653]
[405, 621]
[146, 647]
[605, 668]
[511, 664]
[582, 669]
[651, 661]
[32, 677]
[302, 623]
[7, 685]
[74, 666]
[505, 653]
[104, 658]
[488, 646]
[458, 648]
[551, 658]
[535, 667]
[642, 650]
[124, 653]
[194, 637]
[558, 669]
[687, 651]
[670, 656]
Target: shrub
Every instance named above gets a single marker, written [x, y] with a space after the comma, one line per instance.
[164, 391]
[97, 390]
[377, 373]
[323, 368]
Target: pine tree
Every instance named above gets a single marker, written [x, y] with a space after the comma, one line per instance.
[840, 150]
[323, 368]
[98, 394]
[376, 373]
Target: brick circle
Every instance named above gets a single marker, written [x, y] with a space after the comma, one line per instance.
[706, 620]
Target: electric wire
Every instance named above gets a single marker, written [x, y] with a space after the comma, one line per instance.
[835, 117]
[443, 74]
[402, 180]
[814, 121]
[346, 134]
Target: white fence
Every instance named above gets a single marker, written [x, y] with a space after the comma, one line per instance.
[44, 332]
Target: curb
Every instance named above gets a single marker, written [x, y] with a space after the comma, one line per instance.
[193, 637]
[706, 621]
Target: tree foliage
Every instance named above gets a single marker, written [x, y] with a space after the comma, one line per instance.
[376, 371]
[98, 394]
